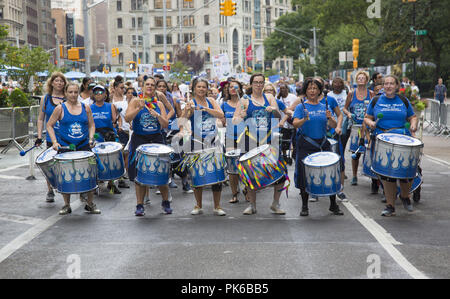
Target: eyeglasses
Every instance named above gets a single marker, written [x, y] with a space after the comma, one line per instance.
[99, 92]
[258, 82]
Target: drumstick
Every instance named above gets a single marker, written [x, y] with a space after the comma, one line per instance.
[23, 153]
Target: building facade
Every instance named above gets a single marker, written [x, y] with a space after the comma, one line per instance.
[12, 15]
[137, 28]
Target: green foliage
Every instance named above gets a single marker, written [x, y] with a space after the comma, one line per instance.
[3, 98]
[18, 98]
[178, 71]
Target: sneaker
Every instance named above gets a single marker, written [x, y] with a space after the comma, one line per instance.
[388, 211]
[219, 212]
[92, 209]
[407, 204]
[165, 204]
[113, 189]
[336, 211]
[146, 200]
[123, 184]
[172, 184]
[50, 196]
[304, 212]
[374, 188]
[196, 211]
[276, 210]
[170, 197]
[354, 181]
[158, 192]
[313, 198]
[187, 188]
[249, 211]
[140, 211]
[342, 197]
[65, 210]
[383, 199]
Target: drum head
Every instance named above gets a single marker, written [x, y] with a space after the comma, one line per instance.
[233, 153]
[74, 155]
[46, 156]
[107, 147]
[155, 149]
[321, 159]
[254, 152]
[399, 139]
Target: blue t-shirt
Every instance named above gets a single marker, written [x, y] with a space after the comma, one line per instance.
[332, 103]
[394, 112]
[281, 105]
[228, 111]
[316, 126]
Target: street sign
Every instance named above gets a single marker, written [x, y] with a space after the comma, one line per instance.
[166, 67]
[372, 61]
[421, 32]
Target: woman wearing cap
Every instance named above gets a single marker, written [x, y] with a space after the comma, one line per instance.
[55, 87]
[396, 112]
[258, 109]
[76, 126]
[147, 128]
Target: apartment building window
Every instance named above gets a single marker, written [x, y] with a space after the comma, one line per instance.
[136, 4]
[247, 6]
[207, 41]
[188, 4]
[268, 2]
[139, 40]
[205, 3]
[188, 38]
[159, 22]
[119, 22]
[159, 4]
[139, 22]
[206, 19]
[189, 21]
[159, 39]
[119, 5]
[120, 39]
[120, 58]
[207, 56]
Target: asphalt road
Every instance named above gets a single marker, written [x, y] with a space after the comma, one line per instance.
[37, 243]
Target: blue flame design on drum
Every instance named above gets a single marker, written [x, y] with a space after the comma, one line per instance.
[153, 164]
[110, 155]
[46, 163]
[354, 137]
[396, 156]
[76, 172]
[367, 164]
[208, 167]
[323, 175]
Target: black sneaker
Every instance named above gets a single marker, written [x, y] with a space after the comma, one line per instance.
[140, 211]
[50, 196]
[304, 212]
[407, 204]
[374, 188]
[388, 211]
[336, 211]
[113, 189]
[123, 184]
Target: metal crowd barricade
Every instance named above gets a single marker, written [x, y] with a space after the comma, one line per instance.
[16, 120]
[434, 121]
[444, 129]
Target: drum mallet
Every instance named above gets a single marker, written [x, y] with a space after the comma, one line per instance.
[23, 153]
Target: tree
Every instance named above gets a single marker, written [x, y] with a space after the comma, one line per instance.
[193, 59]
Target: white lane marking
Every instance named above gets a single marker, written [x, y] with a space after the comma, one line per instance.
[438, 161]
[19, 219]
[10, 177]
[14, 167]
[32, 233]
[386, 241]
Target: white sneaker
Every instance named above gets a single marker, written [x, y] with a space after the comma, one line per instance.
[219, 212]
[196, 211]
[249, 211]
[146, 200]
[158, 192]
[170, 197]
[314, 199]
[277, 210]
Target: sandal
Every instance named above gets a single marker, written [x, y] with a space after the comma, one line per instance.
[234, 199]
[245, 194]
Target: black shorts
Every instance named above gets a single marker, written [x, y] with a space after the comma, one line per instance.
[123, 137]
[393, 180]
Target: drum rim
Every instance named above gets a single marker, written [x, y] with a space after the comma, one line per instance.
[139, 149]
[329, 194]
[244, 158]
[46, 161]
[109, 142]
[338, 159]
[421, 144]
[90, 155]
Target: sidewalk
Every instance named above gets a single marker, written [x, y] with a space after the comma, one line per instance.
[437, 147]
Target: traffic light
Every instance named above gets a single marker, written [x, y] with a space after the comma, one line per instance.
[355, 47]
[189, 48]
[355, 64]
[73, 54]
[61, 51]
[209, 50]
[132, 65]
[115, 52]
[228, 8]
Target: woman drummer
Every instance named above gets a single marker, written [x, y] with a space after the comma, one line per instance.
[229, 107]
[396, 112]
[311, 118]
[76, 127]
[55, 88]
[355, 108]
[148, 123]
[257, 110]
[203, 113]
